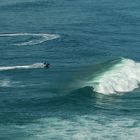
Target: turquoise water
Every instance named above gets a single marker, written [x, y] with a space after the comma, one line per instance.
[91, 90]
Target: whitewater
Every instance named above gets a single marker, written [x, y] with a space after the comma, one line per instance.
[121, 77]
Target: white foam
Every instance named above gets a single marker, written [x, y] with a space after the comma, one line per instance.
[36, 65]
[82, 127]
[40, 38]
[5, 83]
[123, 77]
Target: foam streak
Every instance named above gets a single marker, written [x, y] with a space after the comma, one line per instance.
[40, 38]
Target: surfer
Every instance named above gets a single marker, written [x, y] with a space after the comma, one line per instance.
[46, 65]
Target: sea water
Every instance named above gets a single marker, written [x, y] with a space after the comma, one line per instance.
[91, 90]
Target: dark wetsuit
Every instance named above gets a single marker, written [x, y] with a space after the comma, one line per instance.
[46, 65]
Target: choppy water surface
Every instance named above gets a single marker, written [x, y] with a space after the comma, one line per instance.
[91, 90]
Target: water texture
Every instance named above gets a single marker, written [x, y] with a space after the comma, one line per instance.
[92, 88]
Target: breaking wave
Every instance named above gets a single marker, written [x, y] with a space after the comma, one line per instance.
[123, 76]
[33, 66]
[36, 38]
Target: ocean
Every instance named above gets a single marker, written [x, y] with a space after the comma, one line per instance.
[91, 90]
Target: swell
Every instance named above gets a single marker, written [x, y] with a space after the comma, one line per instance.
[119, 76]
[36, 38]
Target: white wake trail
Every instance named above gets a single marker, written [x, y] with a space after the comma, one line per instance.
[33, 66]
[39, 38]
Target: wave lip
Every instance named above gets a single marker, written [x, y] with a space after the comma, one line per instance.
[122, 77]
[40, 38]
[33, 66]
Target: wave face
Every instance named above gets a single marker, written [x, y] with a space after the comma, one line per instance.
[36, 38]
[121, 77]
[33, 66]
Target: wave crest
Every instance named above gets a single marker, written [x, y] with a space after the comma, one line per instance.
[122, 77]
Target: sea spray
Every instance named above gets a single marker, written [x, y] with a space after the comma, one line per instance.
[122, 77]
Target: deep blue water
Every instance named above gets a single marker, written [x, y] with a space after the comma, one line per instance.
[91, 90]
